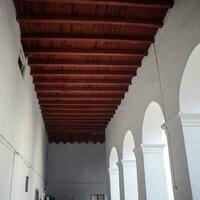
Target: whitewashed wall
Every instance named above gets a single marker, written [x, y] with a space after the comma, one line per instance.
[23, 142]
[76, 171]
[174, 44]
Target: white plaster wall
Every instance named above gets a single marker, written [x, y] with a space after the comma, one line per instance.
[6, 158]
[156, 187]
[21, 125]
[174, 44]
[190, 116]
[193, 140]
[76, 171]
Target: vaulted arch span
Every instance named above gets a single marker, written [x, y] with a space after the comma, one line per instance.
[156, 155]
[189, 100]
[114, 175]
[129, 168]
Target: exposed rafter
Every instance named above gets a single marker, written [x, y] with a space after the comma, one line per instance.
[106, 21]
[87, 52]
[131, 3]
[85, 38]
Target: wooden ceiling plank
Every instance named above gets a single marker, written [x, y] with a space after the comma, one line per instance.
[91, 52]
[78, 38]
[78, 110]
[80, 95]
[66, 106]
[63, 117]
[74, 123]
[93, 121]
[53, 63]
[80, 99]
[147, 23]
[100, 79]
[95, 72]
[77, 114]
[83, 87]
[127, 3]
[78, 129]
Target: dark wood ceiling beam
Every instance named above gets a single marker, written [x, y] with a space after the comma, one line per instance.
[78, 112]
[92, 123]
[80, 93]
[58, 131]
[78, 106]
[73, 134]
[86, 52]
[84, 77]
[82, 64]
[82, 86]
[64, 118]
[73, 121]
[127, 3]
[72, 124]
[45, 80]
[81, 100]
[78, 38]
[41, 95]
[99, 126]
[64, 79]
[65, 127]
[44, 72]
[147, 23]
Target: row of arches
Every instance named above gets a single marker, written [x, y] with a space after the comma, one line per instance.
[156, 152]
[156, 159]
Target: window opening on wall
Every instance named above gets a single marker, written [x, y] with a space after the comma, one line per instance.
[26, 184]
[37, 193]
[21, 62]
[97, 197]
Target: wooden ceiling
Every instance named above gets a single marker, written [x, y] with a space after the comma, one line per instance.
[83, 55]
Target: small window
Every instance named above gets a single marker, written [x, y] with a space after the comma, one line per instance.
[21, 62]
[26, 184]
[37, 193]
[98, 197]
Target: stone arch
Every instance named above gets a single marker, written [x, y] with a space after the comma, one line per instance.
[189, 103]
[156, 155]
[129, 168]
[114, 175]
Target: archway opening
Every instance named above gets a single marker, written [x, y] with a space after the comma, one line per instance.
[189, 99]
[129, 168]
[114, 175]
[156, 155]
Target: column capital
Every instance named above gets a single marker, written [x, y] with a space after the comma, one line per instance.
[128, 163]
[190, 119]
[152, 148]
[112, 170]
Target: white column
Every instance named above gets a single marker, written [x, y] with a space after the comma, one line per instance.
[140, 173]
[179, 167]
[156, 187]
[130, 179]
[121, 180]
[114, 184]
[191, 132]
[108, 184]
